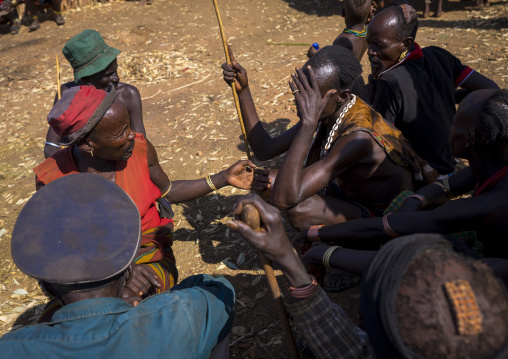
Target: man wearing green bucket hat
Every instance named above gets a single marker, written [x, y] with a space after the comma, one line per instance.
[94, 63]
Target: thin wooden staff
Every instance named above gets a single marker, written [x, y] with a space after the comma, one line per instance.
[58, 77]
[250, 216]
[235, 95]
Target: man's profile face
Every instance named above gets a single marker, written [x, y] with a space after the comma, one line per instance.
[114, 139]
[101, 80]
[384, 46]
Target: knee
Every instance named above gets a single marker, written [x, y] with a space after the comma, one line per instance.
[297, 217]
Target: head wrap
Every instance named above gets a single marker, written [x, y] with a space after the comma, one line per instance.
[78, 111]
[380, 291]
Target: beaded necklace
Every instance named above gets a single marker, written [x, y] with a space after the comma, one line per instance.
[361, 34]
[503, 172]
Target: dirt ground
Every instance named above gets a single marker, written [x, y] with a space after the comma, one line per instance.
[172, 52]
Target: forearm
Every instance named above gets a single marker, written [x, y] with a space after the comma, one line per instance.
[52, 139]
[288, 190]
[351, 260]
[435, 193]
[263, 145]
[187, 190]
[364, 234]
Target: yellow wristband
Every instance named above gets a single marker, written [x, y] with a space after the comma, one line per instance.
[210, 183]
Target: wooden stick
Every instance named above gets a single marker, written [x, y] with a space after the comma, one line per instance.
[235, 95]
[250, 216]
[58, 78]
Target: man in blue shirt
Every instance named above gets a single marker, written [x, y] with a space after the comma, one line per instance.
[80, 247]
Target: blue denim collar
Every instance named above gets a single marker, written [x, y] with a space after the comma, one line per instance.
[90, 308]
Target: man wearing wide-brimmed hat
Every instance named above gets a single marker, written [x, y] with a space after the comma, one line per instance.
[94, 63]
[79, 237]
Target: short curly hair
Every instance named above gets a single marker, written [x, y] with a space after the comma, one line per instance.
[346, 66]
[407, 19]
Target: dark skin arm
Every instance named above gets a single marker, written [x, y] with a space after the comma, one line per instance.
[460, 183]
[262, 144]
[477, 81]
[130, 96]
[454, 216]
[294, 185]
[242, 175]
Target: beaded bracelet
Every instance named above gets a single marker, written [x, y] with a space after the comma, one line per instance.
[210, 183]
[387, 228]
[313, 233]
[421, 198]
[328, 255]
[304, 292]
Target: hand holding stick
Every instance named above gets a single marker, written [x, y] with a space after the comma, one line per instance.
[250, 216]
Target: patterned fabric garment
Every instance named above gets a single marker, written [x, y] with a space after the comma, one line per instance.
[328, 330]
[361, 117]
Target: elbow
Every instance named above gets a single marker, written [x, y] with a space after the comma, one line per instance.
[280, 202]
[262, 155]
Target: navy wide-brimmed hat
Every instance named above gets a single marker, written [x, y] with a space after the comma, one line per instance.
[80, 228]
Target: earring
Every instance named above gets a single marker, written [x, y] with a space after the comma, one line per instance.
[91, 153]
[403, 55]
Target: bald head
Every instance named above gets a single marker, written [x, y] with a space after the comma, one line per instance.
[398, 18]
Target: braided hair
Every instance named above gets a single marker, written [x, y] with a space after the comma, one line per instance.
[493, 132]
[345, 65]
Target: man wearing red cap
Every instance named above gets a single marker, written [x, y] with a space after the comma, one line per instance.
[95, 127]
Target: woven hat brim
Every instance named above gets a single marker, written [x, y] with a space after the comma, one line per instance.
[74, 138]
[98, 64]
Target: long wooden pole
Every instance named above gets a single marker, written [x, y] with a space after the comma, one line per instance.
[250, 216]
[235, 95]
[58, 78]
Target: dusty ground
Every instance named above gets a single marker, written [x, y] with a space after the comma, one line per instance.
[172, 52]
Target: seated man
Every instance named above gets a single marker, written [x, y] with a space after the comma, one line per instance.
[413, 299]
[81, 247]
[479, 135]
[94, 125]
[9, 13]
[35, 7]
[338, 138]
[94, 63]
[414, 88]
[356, 13]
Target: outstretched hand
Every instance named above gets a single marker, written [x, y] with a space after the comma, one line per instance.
[244, 175]
[235, 73]
[309, 102]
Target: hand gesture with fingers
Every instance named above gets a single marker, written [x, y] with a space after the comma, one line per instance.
[309, 102]
[142, 282]
[235, 73]
[245, 175]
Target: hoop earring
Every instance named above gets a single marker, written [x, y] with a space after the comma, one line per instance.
[403, 55]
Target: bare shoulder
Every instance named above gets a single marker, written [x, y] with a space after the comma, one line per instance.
[127, 91]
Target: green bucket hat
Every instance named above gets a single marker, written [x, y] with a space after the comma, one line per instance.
[88, 54]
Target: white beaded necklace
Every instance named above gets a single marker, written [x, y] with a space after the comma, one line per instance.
[337, 123]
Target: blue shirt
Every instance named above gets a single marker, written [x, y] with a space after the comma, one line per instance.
[186, 322]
